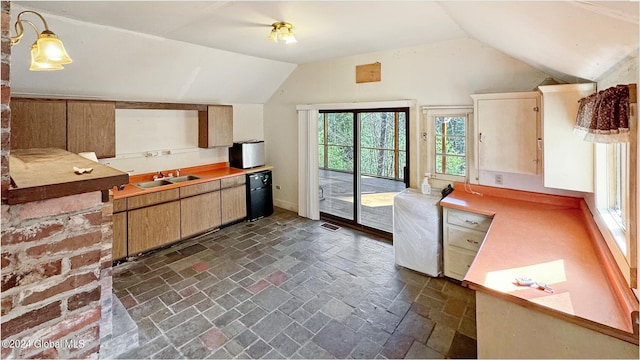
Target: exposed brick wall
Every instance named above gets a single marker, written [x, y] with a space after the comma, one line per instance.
[5, 128]
[106, 275]
[55, 260]
[56, 282]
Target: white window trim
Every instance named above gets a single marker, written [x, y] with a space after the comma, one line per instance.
[427, 138]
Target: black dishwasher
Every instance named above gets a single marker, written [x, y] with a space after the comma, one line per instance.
[259, 195]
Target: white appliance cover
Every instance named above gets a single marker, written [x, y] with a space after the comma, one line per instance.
[417, 231]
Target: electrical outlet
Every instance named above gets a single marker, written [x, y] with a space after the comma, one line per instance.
[499, 179]
[278, 187]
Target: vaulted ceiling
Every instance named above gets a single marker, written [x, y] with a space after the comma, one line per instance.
[567, 39]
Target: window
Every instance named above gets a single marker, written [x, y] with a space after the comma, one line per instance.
[446, 131]
[383, 142]
[619, 180]
[451, 145]
[613, 193]
[335, 141]
[615, 186]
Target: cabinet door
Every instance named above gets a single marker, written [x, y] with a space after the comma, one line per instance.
[234, 206]
[200, 213]
[38, 123]
[153, 226]
[457, 261]
[215, 126]
[119, 236]
[91, 126]
[507, 135]
[568, 160]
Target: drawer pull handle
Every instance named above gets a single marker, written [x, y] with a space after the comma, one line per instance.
[471, 222]
[472, 241]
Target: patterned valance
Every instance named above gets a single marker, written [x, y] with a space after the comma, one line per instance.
[603, 117]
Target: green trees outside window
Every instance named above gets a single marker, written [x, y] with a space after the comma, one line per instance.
[451, 143]
[383, 145]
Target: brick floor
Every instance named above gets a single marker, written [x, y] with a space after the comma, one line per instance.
[283, 287]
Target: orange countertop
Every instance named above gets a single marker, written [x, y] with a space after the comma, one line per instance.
[205, 172]
[550, 239]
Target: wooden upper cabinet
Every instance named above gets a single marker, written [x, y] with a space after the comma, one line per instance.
[91, 126]
[38, 123]
[215, 126]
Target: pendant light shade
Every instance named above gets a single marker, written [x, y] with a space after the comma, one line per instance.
[41, 66]
[48, 52]
[51, 49]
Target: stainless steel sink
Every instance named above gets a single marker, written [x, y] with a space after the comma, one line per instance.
[183, 178]
[151, 184]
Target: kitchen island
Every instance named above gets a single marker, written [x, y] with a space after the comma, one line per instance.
[591, 312]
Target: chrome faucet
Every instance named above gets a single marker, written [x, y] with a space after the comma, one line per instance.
[177, 172]
[159, 176]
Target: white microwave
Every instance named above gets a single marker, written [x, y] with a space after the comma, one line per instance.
[246, 154]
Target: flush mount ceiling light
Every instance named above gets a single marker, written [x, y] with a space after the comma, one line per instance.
[47, 52]
[282, 31]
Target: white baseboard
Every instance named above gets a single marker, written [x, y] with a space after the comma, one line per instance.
[285, 205]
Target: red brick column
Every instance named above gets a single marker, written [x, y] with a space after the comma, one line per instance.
[55, 257]
[52, 264]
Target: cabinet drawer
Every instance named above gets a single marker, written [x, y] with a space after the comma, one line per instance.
[468, 219]
[466, 239]
[232, 181]
[139, 201]
[199, 188]
[457, 262]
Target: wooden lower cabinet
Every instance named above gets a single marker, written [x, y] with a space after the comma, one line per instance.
[152, 220]
[153, 226]
[200, 213]
[234, 205]
[119, 236]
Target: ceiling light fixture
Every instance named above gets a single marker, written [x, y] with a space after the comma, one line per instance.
[47, 52]
[282, 31]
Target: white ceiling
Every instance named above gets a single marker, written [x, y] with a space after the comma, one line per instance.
[567, 39]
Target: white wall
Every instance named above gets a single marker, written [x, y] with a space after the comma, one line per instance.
[248, 122]
[437, 74]
[157, 140]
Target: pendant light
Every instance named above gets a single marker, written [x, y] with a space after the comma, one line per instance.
[47, 52]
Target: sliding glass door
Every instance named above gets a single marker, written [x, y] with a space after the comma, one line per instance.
[337, 163]
[363, 161]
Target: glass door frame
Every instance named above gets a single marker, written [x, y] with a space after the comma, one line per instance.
[357, 171]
